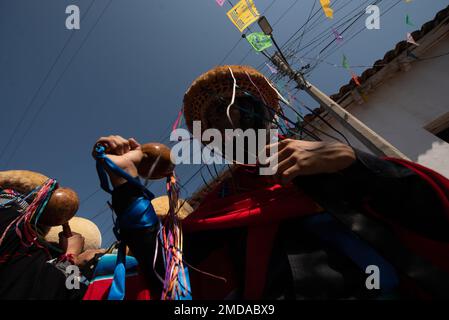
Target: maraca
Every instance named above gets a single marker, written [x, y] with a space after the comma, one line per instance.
[156, 162]
[63, 203]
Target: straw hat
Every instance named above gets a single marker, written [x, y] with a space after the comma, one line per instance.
[203, 92]
[85, 227]
[161, 207]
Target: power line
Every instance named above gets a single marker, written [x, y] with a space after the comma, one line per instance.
[36, 94]
[318, 22]
[349, 39]
[90, 196]
[347, 28]
[56, 84]
[353, 36]
[299, 29]
[285, 13]
[326, 33]
[230, 51]
[307, 22]
[101, 211]
[289, 43]
[377, 64]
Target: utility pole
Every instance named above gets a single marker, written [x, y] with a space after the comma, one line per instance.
[374, 142]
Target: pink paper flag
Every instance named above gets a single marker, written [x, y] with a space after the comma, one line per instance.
[337, 35]
[272, 69]
[220, 2]
[356, 79]
[411, 40]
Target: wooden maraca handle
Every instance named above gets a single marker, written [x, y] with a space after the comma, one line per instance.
[66, 231]
[63, 203]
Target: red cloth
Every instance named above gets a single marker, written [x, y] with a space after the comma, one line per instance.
[265, 205]
[438, 183]
[135, 289]
[260, 210]
[434, 251]
[257, 201]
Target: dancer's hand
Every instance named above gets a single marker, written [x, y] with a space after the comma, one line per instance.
[297, 157]
[125, 153]
[71, 245]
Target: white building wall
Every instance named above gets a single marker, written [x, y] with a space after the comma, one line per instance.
[401, 108]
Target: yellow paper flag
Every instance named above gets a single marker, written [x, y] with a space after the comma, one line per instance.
[327, 9]
[243, 14]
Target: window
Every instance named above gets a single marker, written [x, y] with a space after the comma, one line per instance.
[443, 135]
[440, 127]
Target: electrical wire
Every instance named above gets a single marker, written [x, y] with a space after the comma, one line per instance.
[337, 47]
[41, 85]
[324, 34]
[42, 106]
[307, 21]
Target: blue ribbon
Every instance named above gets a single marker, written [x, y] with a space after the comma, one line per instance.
[140, 214]
[103, 160]
[187, 291]
[117, 289]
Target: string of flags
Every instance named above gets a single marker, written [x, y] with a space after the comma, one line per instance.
[337, 35]
[244, 13]
[346, 65]
[409, 36]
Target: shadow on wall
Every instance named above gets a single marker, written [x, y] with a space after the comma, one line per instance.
[436, 158]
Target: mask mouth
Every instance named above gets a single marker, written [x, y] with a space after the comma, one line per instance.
[247, 112]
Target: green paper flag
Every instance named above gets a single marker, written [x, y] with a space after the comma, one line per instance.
[345, 63]
[408, 21]
[259, 41]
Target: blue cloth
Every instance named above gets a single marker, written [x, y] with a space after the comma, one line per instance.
[117, 290]
[140, 214]
[188, 290]
[103, 160]
[106, 265]
[336, 235]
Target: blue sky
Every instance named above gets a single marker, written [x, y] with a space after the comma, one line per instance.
[126, 73]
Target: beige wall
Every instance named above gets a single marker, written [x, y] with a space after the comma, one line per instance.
[401, 108]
